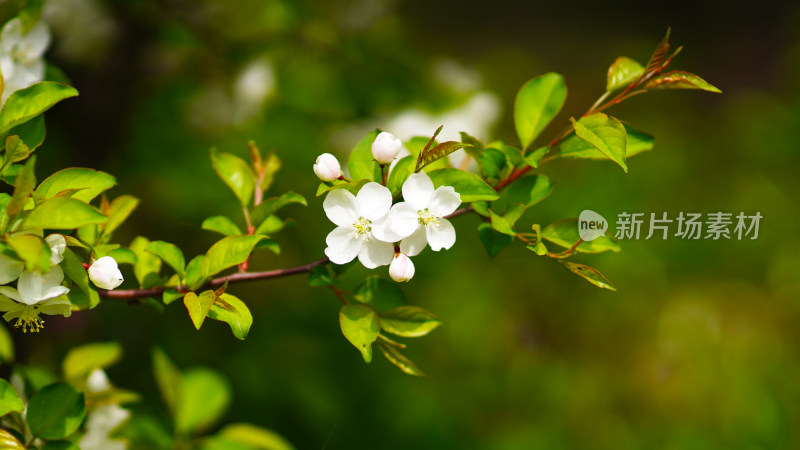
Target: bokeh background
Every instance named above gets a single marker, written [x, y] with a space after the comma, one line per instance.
[699, 348]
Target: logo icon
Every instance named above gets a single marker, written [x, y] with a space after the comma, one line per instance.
[591, 225]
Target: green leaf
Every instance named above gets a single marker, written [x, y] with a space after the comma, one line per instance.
[501, 224]
[270, 166]
[590, 274]
[235, 172]
[31, 132]
[199, 306]
[60, 445]
[360, 325]
[575, 147]
[470, 186]
[56, 411]
[15, 150]
[493, 241]
[23, 186]
[535, 157]
[194, 273]
[409, 321]
[118, 211]
[62, 214]
[170, 254]
[234, 312]
[222, 225]
[321, 275]
[271, 205]
[565, 233]
[400, 173]
[147, 265]
[9, 442]
[476, 147]
[82, 361]
[493, 162]
[606, 134]
[437, 152]
[6, 346]
[529, 190]
[361, 164]
[352, 186]
[538, 102]
[206, 396]
[398, 359]
[25, 104]
[89, 182]
[623, 71]
[32, 250]
[74, 270]
[168, 379]
[679, 79]
[228, 252]
[379, 293]
[255, 437]
[9, 400]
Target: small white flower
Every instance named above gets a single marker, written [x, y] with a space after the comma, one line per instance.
[97, 381]
[327, 167]
[10, 268]
[386, 147]
[420, 218]
[21, 59]
[57, 245]
[401, 269]
[102, 421]
[361, 226]
[36, 293]
[105, 273]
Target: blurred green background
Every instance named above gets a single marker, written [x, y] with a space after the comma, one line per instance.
[699, 348]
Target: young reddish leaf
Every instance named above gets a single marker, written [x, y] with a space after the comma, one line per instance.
[590, 274]
[679, 79]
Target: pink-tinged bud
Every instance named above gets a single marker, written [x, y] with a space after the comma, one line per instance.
[386, 147]
[327, 167]
[105, 273]
[401, 269]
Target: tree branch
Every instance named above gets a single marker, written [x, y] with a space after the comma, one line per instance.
[132, 294]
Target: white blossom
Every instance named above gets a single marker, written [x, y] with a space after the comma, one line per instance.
[105, 273]
[385, 147]
[420, 218]
[361, 226]
[101, 423]
[57, 245]
[327, 167]
[21, 60]
[401, 269]
[36, 293]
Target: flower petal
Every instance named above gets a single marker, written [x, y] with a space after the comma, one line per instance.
[30, 286]
[375, 253]
[6, 304]
[10, 269]
[53, 292]
[374, 201]
[442, 236]
[418, 190]
[341, 207]
[342, 246]
[403, 219]
[36, 41]
[415, 243]
[444, 201]
[56, 306]
[11, 35]
[55, 276]
[383, 232]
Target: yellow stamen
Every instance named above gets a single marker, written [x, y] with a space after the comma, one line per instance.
[29, 320]
[427, 218]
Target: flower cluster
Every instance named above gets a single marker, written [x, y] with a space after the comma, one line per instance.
[41, 292]
[378, 232]
[21, 55]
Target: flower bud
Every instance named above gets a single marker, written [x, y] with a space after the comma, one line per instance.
[327, 167]
[386, 147]
[401, 269]
[57, 245]
[105, 273]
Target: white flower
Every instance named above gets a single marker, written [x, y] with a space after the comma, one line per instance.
[401, 269]
[36, 293]
[105, 273]
[420, 218]
[327, 167]
[97, 381]
[57, 245]
[362, 230]
[10, 268]
[102, 422]
[21, 59]
[386, 147]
